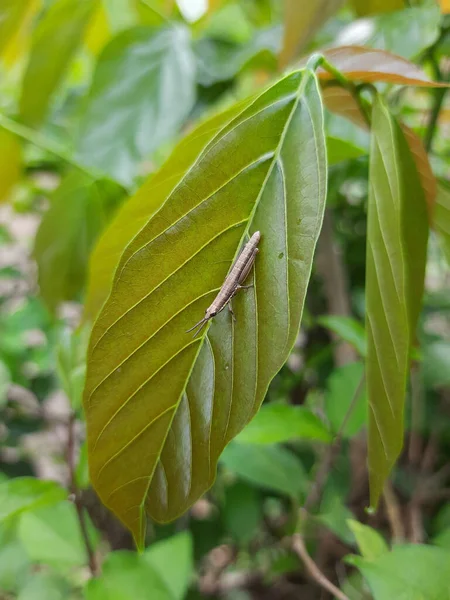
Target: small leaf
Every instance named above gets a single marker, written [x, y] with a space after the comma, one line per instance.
[341, 389]
[282, 423]
[242, 512]
[339, 150]
[268, 467]
[348, 329]
[127, 575]
[10, 163]
[79, 210]
[172, 559]
[61, 27]
[396, 257]
[302, 19]
[146, 78]
[442, 219]
[410, 572]
[51, 534]
[160, 405]
[26, 493]
[370, 543]
[365, 64]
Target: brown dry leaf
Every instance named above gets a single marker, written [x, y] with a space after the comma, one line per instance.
[358, 63]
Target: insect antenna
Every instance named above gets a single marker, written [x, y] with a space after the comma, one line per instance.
[200, 326]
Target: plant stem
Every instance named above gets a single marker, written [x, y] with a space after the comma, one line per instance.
[77, 500]
[298, 545]
[331, 454]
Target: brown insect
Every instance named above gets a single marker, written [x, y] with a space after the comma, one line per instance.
[233, 282]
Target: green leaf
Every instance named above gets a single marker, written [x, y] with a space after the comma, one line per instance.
[242, 512]
[160, 405]
[410, 572]
[436, 364]
[172, 559]
[348, 329]
[5, 380]
[268, 467]
[79, 210]
[442, 539]
[370, 543]
[61, 28]
[404, 32]
[367, 7]
[441, 218]
[26, 493]
[335, 516]
[10, 161]
[219, 60]
[341, 389]
[397, 235]
[142, 92]
[44, 586]
[71, 363]
[127, 575]
[51, 534]
[282, 423]
[14, 566]
[339, 150]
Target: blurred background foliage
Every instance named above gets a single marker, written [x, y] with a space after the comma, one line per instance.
[93, 97]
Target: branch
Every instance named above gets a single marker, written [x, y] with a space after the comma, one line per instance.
[298, 546]
[76, 496]
[331, 453]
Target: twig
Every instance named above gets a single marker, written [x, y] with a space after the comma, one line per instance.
[76, 496]
[298, 546]
[393, 513]
[331, 454]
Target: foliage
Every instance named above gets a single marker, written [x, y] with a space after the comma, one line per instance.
[141, 144]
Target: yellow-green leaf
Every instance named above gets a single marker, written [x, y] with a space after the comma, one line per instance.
[15, 20]
[442, 218]
[160, 405]
[55, 40]
[10, 163]
[396, 253]
[370, 7]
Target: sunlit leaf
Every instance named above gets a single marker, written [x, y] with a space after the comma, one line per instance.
[368, 7]
[370, 543]
[302, 19]
[15, 21]
[365, 64]
[127, 575]
[143, 90]
[79, 210]
[62, 27]
[348, 329]
[160, 405]
[396, 255]
[283, 423]
[412, 571]
[98, 32]
[10, 163]
[51, 534]
[404, 32]
[442, 218]
[269, 467]
[26, 493]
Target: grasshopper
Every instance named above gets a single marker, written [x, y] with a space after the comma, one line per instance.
[233, 282]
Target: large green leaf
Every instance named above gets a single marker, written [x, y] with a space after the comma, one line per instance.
[11, 14]
[26, 493]
[143, 90]
[160, 405]
[283, 423]
[79, 210]
[412, 572]
[270, 467]
[56, 38]
[396, 254]
[441, 218]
